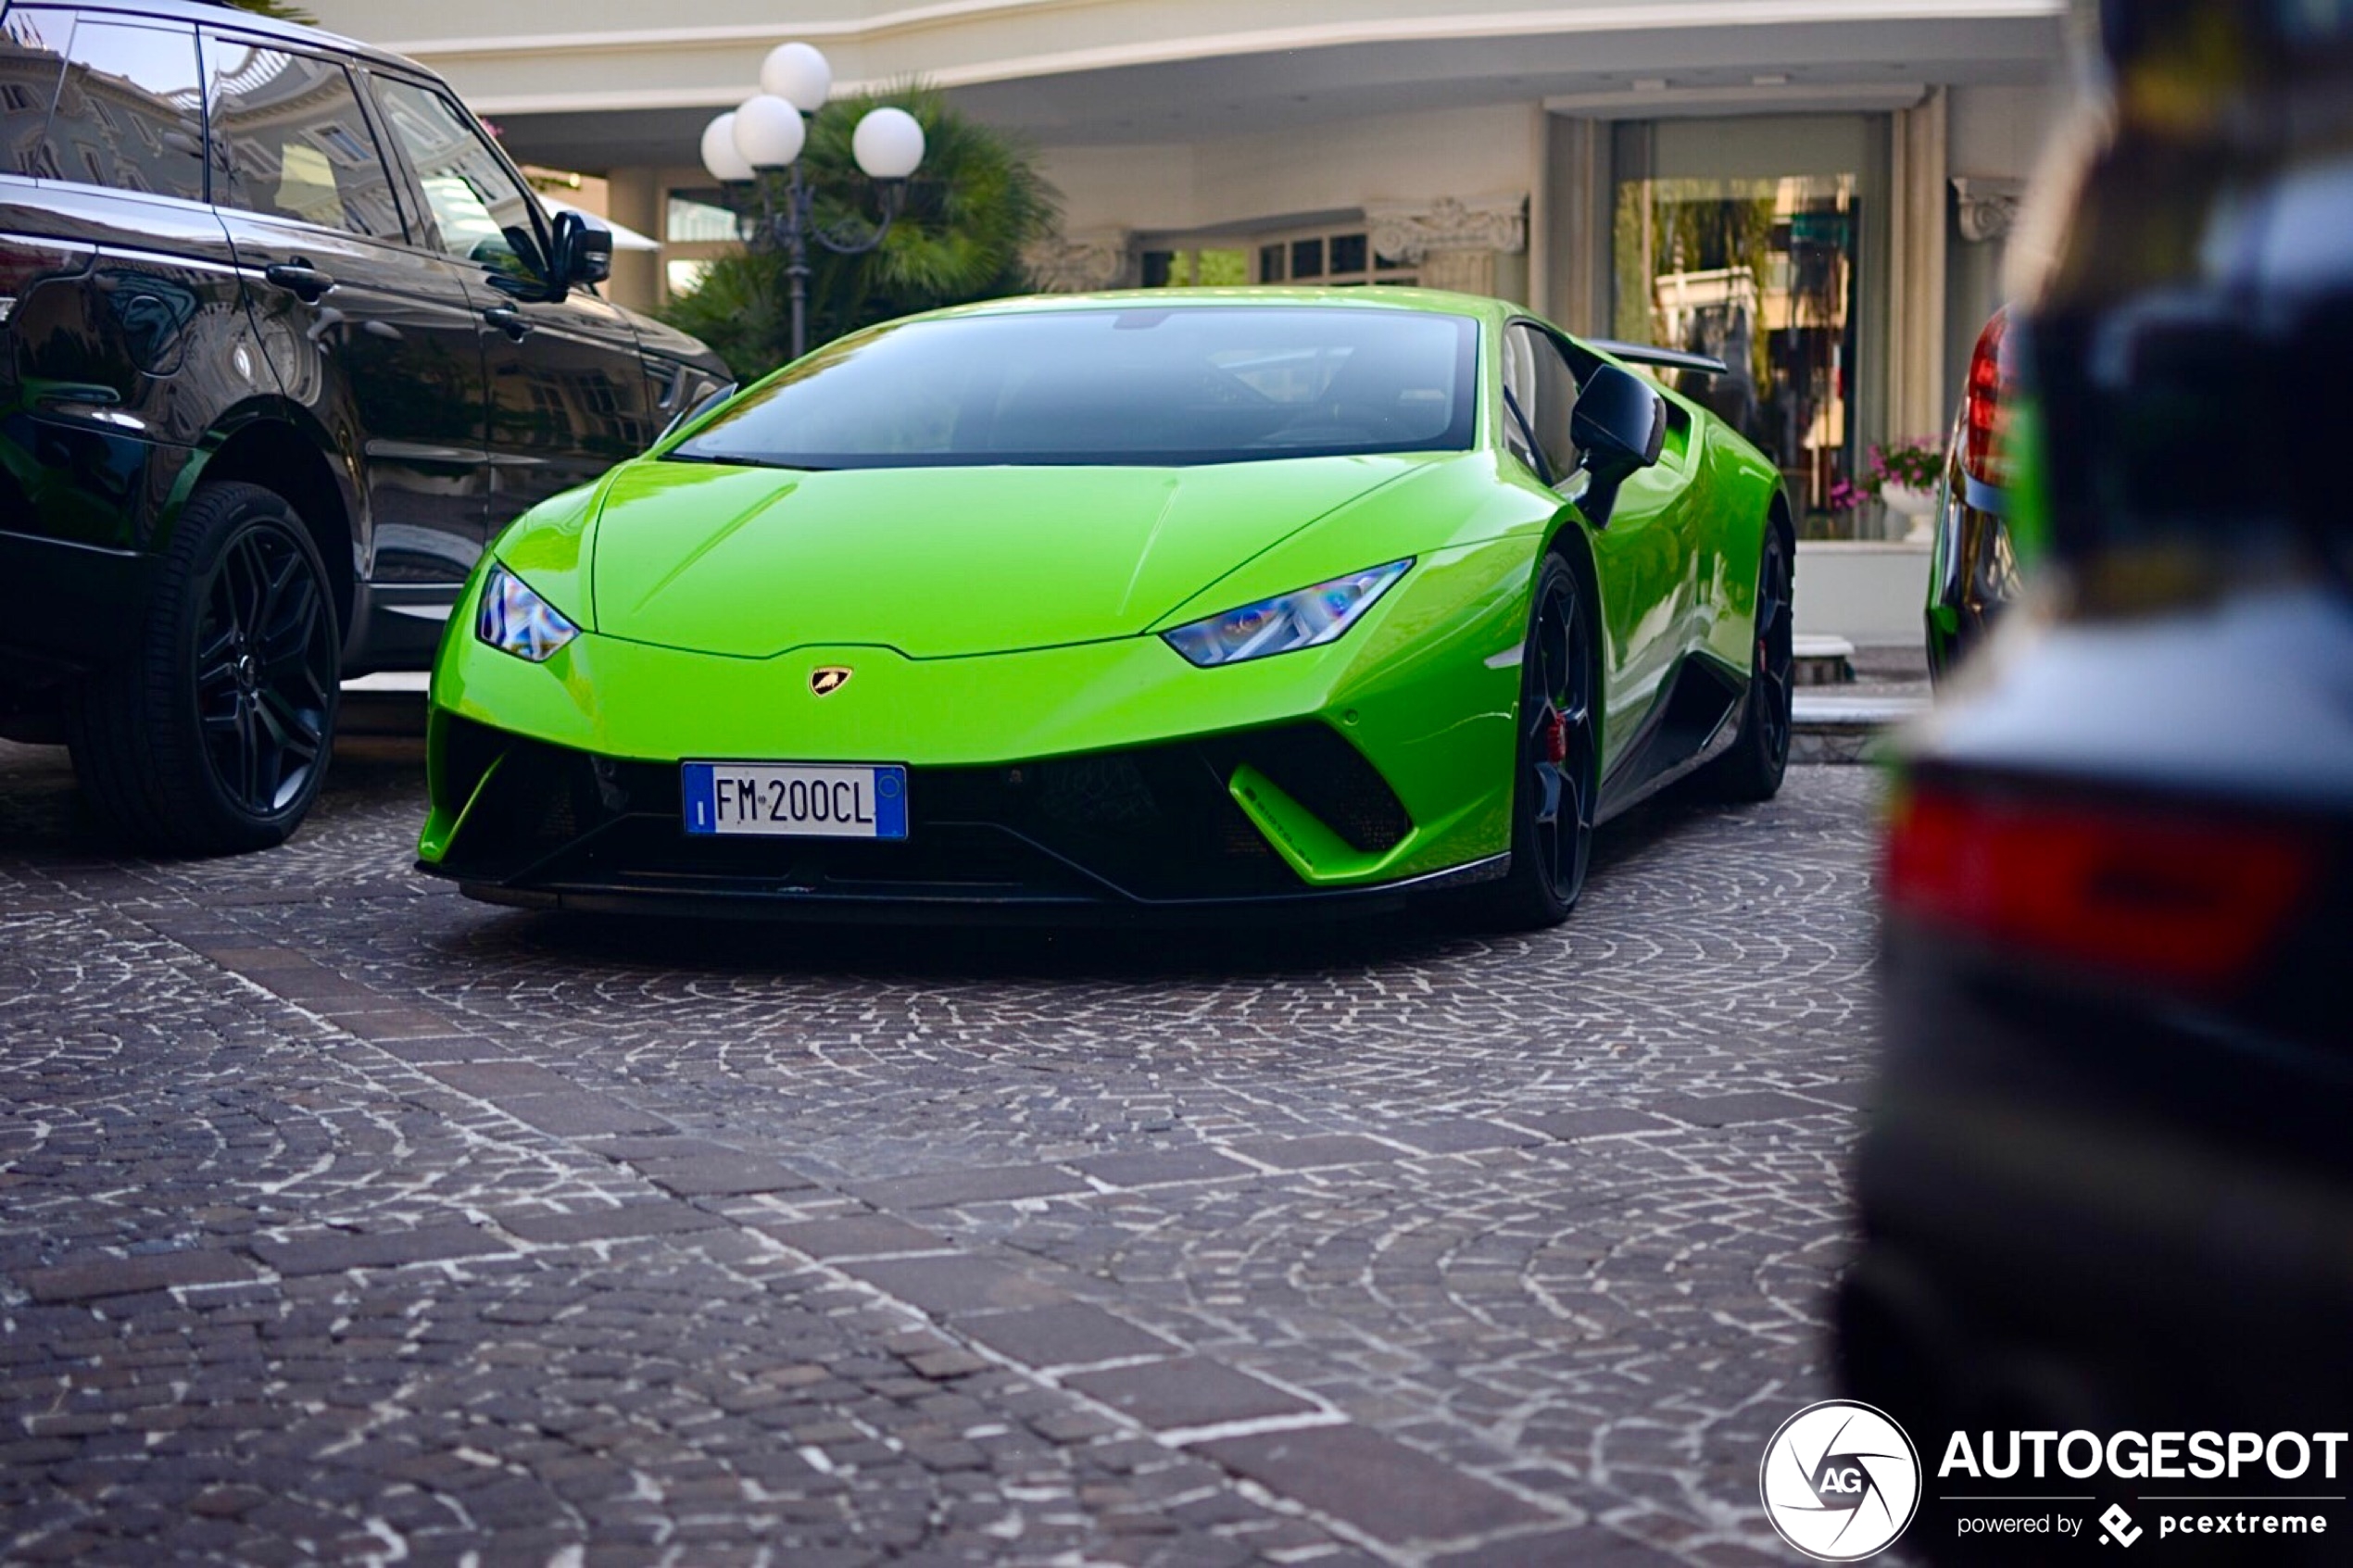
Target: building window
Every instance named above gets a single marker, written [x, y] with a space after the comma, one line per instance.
[1195, 268]
[1755, 241]
[1342, 257]
[689, 219]
[697, 228]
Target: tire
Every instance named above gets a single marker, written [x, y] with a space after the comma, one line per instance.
[210, 737]
[1752, 769]
[1557, 773]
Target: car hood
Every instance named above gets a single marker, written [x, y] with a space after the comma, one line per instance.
[938, 562]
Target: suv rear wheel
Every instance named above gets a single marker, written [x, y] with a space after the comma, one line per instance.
[212, 734]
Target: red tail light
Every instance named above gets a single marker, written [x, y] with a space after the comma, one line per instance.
[1989, 387]
[2142, 894]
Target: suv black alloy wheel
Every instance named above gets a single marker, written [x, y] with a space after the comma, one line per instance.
[265, 668]
[212, 737]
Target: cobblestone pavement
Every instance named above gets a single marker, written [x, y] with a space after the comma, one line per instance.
[342, 1218]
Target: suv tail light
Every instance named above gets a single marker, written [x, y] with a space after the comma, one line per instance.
[2136, 891]
[1990, 382]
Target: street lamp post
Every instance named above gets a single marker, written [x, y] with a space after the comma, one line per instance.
[763, 136]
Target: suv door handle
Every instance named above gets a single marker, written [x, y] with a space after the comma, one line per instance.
[510, 320]
[300, 279]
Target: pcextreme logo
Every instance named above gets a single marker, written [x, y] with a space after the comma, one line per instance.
[1840, 1481]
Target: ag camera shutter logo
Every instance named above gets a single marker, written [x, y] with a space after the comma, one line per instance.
[1840, 1481]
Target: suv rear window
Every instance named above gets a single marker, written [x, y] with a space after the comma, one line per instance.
[32, 55]
[289, 129]
[130, 111]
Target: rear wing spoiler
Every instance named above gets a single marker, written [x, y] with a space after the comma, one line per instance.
[1660, 358]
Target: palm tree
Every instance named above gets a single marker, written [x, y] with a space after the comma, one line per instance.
[971, 207]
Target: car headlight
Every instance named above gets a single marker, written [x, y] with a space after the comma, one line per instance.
[514, 620]
[1299, 619]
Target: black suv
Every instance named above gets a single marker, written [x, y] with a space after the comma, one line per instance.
[284, 339]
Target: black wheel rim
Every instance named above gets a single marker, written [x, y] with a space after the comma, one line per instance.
[1559, 742]
[265, 671]
[1775, 659]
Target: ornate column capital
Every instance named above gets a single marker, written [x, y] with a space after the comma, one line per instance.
[1076, 263]
[1409, 230]
[1988, 207]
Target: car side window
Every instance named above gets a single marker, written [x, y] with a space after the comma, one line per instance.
[130, 111]
[481, 211]
[290, 141]
[1519, 395]
[32, 57]
[1552, 398]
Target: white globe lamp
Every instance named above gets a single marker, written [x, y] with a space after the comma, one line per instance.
[798, 74]
[889, 144]
[769, 132]
[720, 155]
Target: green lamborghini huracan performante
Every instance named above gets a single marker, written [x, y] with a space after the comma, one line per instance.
[1199, 602]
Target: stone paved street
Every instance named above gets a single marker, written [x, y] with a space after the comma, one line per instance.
[342, 1218]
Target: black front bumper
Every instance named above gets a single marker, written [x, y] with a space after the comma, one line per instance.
[1145, 834]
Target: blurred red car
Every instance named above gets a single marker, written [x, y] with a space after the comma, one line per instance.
[1973, 568]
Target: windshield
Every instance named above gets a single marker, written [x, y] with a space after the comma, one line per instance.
[1147, 388]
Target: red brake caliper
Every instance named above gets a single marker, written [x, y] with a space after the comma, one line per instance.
[1555, 736]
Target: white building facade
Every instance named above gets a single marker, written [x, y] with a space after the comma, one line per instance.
[1817, 190]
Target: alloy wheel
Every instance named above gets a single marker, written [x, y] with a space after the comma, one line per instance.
[1559, 742]
[1776, 661]
[265, 671]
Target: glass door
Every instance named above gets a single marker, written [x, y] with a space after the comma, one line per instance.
[1761, 241]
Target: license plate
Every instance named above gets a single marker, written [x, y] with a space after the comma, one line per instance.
[796, 799]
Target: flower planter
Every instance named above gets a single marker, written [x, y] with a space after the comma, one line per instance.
[1917, 506]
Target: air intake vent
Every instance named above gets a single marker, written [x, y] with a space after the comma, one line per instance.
[1316, 766]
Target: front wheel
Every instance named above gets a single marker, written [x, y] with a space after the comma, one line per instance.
[1556, 777]
[211, 735]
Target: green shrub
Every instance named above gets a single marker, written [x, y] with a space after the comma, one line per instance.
[971, 207]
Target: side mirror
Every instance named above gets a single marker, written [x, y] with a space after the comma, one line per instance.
[1618, 426]
[584, 249]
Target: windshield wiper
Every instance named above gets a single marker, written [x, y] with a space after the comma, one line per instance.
[742, 460]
